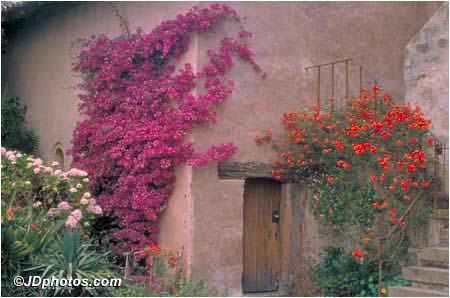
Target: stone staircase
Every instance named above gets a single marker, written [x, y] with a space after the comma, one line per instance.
[429, 276]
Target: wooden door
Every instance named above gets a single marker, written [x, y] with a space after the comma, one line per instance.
[261, 235]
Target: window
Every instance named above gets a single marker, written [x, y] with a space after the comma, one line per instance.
[59, 155]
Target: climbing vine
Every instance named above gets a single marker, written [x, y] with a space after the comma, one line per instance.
[366, 164]
[138, 110]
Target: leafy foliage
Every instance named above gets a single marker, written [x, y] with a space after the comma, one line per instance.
[27, 234]
[367, 164]
[138, 110]
[38, 204]
[339, 274]
[15, 134]
[363, 161]
[71, 259]
[191, 287]
[166, 278]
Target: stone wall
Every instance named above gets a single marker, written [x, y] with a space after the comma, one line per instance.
[426, 78]
[426, 70]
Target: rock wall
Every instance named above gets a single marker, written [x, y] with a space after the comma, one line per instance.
[426, 71]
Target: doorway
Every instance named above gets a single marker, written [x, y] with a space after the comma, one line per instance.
[262, 239]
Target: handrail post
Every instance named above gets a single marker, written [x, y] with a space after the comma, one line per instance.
[318, 88]
[346, 79]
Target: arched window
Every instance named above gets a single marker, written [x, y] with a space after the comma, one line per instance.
[59, 155]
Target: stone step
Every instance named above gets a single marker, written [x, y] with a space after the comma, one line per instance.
[440, 214]
[408, 291]
[397, 291]
[444, 234]
[423, 274]
[430, 286]
[436, 255]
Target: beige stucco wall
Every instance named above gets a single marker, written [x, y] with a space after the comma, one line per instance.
[39, 71]
[205, 213]
[287, 38]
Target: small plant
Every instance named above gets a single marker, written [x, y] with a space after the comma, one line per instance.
[166, 276]
[15, 134]
[74, 258]
[26, 233]
[340, 274]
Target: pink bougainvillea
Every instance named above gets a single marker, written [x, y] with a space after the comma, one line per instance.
[137, 110]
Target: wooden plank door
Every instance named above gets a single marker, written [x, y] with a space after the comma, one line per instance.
[261, 235]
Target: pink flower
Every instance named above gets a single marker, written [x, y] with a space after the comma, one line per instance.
[165, 163]
[77, 214]
[96, 209]
[71, 222]
[37, 162]
[74, 218]
[64, 205]
[48, 170]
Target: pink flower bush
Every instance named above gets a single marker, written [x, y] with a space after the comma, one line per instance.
[138, 110]
[29, 181]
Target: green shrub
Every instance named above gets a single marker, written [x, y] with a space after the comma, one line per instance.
[340, 274]
[74, 258]
[46, 219]
[164, 277]
[15, 135]
[25, 235]
[186, 287]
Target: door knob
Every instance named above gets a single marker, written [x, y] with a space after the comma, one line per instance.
[275, 216]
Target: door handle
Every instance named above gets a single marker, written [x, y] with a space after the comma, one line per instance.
[275, 216]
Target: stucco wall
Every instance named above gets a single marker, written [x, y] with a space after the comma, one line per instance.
[38, 70]
[426, 71]
[287, 38]
[205, 213]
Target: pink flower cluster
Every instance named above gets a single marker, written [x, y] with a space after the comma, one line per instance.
[94, 208]
[64, 205]
[218, 152]
[138, 109]
[73, 219]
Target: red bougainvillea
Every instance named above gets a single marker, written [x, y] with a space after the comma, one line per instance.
[138, 109]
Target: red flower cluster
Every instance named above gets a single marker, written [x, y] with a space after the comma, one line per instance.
[334, 151]
[260, 140]
[170, 255]
[359, 253]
